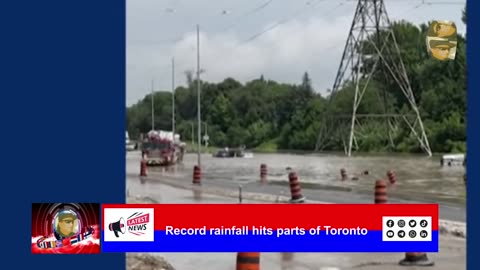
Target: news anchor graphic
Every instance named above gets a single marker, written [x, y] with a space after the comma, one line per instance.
[442, 40]
[65, 228]
[128, 224]
[264, 228]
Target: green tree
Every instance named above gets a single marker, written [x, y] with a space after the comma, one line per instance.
[291, 115]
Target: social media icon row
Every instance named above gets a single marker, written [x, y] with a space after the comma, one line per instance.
[411, 234]
[412, 223]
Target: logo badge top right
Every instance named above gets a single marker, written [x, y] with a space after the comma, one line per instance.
[442, 40]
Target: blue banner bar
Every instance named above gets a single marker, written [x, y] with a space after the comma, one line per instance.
[372, 242]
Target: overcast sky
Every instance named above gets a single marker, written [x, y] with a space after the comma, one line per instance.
[305, 35]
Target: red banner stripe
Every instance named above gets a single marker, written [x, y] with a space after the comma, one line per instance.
[274, 216]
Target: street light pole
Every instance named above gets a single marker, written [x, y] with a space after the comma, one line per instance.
[199, 135]
[193, 134]
[153, 113]
[173, 97]
[206, 138]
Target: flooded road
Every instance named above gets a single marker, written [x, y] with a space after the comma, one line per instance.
[419, 178]
[218, 173]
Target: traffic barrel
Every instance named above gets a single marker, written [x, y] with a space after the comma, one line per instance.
[391, 176]
[287, 259]
[343, 174]
[416, 259]
[295, 188]
[263, 173]
[196, 174]
[143, 167]
[380, 191]
[287, 256]
[248, 261]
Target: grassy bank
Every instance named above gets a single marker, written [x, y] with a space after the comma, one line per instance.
[271, 147]
[193, 148]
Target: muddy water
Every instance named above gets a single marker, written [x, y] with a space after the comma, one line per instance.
[452, 250]
[418, 177]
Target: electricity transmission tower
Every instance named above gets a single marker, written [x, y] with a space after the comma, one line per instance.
[371, 50]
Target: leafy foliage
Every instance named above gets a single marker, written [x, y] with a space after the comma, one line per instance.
[268, 114]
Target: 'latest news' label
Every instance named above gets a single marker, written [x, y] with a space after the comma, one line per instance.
[128, 224]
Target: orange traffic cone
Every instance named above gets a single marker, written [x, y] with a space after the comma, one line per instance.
[416, 259]
[263, 173]
[295, 188]
[343, 174]
[196, 175]
[143, 167]
[380, 191]
[248, 261]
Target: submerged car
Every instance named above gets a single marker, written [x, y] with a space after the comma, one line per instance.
[231, 153]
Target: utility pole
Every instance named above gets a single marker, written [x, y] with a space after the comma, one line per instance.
[153, 111]
[193, 134]
[199, 119]
[173, 97]
[205, 137]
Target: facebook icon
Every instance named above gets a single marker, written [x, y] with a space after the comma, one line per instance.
[390, 223]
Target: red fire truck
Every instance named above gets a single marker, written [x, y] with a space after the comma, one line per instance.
[160, 149]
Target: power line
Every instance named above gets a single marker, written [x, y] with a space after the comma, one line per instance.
[310, 5]
[285, 20]
[267, 3]
[427, 3]
[248, 13]
[445, 3]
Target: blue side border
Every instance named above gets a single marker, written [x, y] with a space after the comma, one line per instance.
[473, 135]
[62, 117]
[63, 65]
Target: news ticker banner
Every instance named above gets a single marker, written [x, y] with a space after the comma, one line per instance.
[270, 228]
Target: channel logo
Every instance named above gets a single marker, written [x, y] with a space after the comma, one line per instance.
[129, 224]
[65, 228]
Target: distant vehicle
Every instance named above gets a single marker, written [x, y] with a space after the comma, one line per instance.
[247, 155]
[231, 153]
[129, 145]
[162, 148]
[452, 159]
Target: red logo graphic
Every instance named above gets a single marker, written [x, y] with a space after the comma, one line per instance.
[136, 224]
